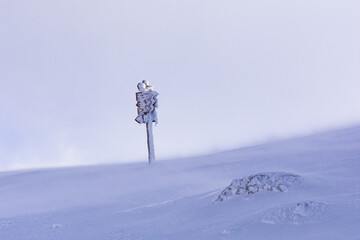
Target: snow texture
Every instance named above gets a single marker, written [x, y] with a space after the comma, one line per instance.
[144, 86]
[274, 182]
[147, 103]
[301, 213]
[308, 188]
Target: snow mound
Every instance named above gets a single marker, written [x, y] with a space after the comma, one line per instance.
[303, 212]
[275, 182]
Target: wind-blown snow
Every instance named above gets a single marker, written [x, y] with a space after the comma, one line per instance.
[175, 199]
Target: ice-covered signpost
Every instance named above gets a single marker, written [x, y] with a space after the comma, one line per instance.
[147, 103]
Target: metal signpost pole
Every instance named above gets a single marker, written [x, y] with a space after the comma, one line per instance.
[150, 142]
[147, 104]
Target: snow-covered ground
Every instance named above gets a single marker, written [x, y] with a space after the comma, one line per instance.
[305, 188]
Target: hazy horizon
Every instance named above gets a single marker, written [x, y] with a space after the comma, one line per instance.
[229, 74]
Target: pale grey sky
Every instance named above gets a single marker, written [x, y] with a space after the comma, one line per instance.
[229, 74]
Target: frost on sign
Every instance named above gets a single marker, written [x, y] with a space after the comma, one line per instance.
[147, 103]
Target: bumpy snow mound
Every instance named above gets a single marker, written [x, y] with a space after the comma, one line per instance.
[303, 212]
[275, 182]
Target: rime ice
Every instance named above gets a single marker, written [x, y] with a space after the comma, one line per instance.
[147, 103]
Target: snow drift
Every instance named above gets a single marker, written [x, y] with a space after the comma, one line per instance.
[305, 188]
[300, 213]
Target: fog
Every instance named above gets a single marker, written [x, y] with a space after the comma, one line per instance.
[229, 74]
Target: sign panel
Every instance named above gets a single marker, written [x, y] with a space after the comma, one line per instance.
[147, 103]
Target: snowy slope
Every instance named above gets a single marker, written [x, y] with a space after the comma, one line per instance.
[175, 199]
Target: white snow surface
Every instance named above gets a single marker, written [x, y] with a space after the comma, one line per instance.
[175, 199]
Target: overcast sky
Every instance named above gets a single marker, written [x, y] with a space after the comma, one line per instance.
[229, 74]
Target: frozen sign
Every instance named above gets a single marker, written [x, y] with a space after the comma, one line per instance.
[147, 103]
